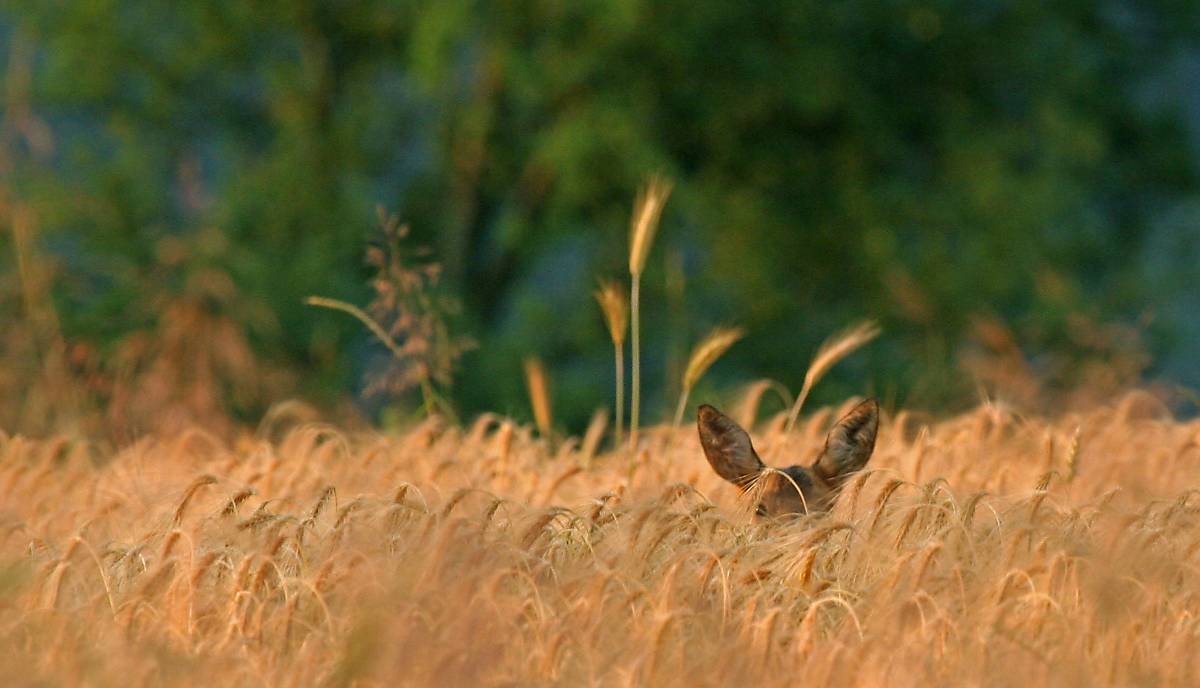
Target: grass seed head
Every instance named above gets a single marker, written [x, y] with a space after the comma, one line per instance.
[539, 394]
[614, 303]
[708, 351]
[644, 223]
[830, 352]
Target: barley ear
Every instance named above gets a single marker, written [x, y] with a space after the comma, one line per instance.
[1073, 455]
[613, 305]
[642, 228]
[644, 223]
[703, 356]
[539, 394]
[831, 351]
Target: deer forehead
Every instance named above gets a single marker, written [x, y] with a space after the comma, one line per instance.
[800, 475]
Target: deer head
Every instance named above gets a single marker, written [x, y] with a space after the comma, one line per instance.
[795, 489]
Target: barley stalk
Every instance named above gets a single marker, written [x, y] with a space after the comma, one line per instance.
[591, 437]
[452, 566]
[642, 228]
[703, 355]
[188, 494]
[830, 352]
[616, 317]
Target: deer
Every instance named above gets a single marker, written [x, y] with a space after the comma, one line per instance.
[795, 489]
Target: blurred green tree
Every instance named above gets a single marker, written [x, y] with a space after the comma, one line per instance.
[924, 163]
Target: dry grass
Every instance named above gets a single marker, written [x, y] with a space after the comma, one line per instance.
[474, 556]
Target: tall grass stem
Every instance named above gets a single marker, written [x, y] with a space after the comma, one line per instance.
[635, 399]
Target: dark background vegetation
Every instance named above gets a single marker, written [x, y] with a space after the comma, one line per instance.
[1009, 188]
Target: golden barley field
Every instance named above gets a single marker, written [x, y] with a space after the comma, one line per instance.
[988, 549]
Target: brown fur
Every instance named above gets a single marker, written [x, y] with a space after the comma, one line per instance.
[795, 489]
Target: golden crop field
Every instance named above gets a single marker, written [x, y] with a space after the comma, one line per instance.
[527, 344]
[988, 549]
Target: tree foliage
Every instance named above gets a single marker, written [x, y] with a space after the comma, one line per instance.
[926, 164]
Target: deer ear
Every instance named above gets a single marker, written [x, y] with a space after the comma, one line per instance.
[849, 444]
[727, 447]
